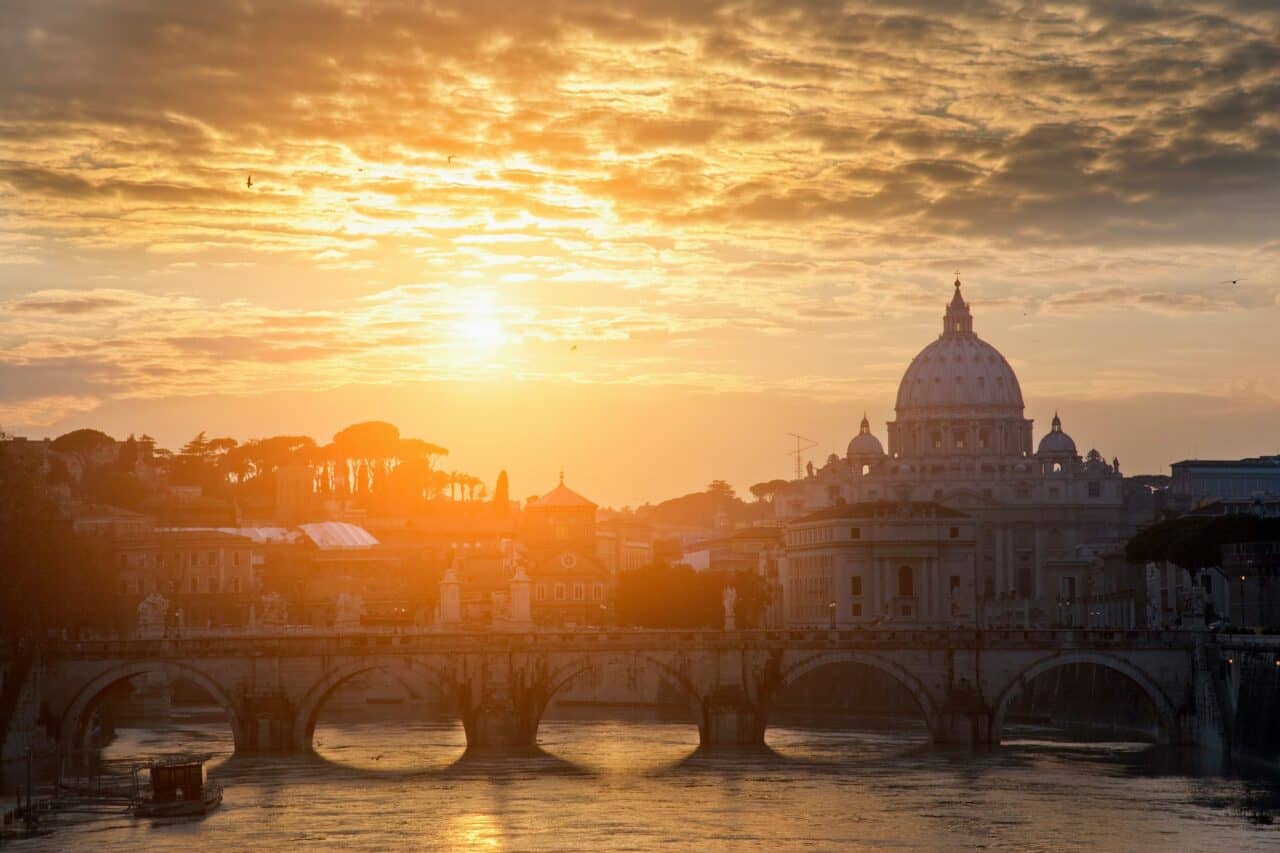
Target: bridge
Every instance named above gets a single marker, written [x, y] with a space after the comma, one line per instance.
[964, 681]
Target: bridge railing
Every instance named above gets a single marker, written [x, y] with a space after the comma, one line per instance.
[373, 642]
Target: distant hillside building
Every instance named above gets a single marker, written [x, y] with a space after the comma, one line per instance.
[1197, 481]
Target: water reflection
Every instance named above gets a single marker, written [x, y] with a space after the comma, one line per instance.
[609, 784]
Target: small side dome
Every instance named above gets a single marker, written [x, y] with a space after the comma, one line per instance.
[1056, 442]
[1094, 463]
[865, 444]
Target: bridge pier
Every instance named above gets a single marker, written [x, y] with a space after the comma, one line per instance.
[729, 718]
[964, 720]
[501, 726]
[265, 724]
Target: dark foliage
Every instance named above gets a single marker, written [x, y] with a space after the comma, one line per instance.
[48, 577]
[1195, 542]
[666, 596]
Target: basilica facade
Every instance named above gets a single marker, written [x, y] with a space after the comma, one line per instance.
[963, 518]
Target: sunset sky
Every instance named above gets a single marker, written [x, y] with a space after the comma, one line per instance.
[640, 241]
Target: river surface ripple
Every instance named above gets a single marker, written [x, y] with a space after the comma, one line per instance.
[605, 785]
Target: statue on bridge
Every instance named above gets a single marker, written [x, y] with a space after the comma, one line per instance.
[275, 611]
[153, 612]
[347, 612]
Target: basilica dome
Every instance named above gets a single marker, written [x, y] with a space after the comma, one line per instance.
[959, 371]
[864, 443]
[1056, 442]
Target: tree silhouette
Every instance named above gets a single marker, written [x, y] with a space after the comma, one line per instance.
[86, 445]
[502, 493]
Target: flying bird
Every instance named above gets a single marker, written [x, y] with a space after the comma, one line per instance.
[378, 757]
[248, 182]
[572, 348]
[1232, 281]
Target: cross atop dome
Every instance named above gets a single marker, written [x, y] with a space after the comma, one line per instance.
[866, 425]
[958, 320]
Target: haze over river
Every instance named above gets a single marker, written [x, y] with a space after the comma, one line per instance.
[614, 784]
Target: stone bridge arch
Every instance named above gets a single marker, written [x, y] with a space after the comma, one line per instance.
[308, 707]
[73, 718]
[1166, 713]
[928, 706]
[563, 674]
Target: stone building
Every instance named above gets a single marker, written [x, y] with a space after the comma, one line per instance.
[880, 561]
[209, 575]
[571, 584]
[1037, 513]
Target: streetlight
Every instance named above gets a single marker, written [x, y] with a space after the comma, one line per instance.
[831, 608]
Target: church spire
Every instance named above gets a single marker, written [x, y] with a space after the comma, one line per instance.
[866, 425]
[958, 320]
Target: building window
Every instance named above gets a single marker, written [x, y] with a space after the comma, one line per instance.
[235, 584]
[954, 533]
[855, 586]
[855, 533]
[597, 592]
[856, 609]
[235, 558]
[212, 584]
[906, 583]
[195, 585]
[579, 592]
[937, 441]
[559, 592]
[124, 587]
[1095, 490]
[562, 532]
[960, 442]
[542, 592]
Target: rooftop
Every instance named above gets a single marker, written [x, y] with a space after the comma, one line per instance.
[876, 509]
[561, 496]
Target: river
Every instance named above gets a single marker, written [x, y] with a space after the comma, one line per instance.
[611, 784]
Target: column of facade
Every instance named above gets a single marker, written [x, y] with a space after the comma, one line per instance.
[1011, 563]
[942, 586]
[880, 587]
[1000, 535]
[931, 582]
[1037, 563]
[923, 599]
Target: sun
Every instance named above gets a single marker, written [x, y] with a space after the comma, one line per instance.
[479, 325]
[483, 333]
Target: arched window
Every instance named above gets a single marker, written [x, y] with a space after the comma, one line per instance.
[579, 592]
[937, 440]
[542, 592]
[906, 582]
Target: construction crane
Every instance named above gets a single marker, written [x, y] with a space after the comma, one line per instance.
[802, 444]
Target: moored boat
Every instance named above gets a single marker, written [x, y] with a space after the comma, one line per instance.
[179, 789]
